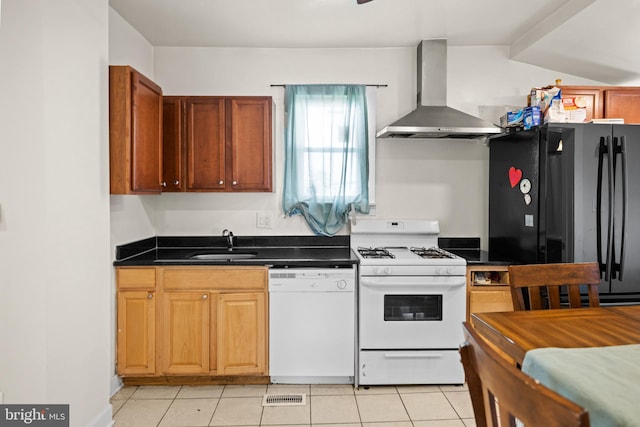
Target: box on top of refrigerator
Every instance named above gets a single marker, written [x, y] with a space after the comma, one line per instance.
[575, 109]
[526, 118]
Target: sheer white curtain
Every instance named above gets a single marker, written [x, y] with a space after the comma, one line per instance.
[326, 154]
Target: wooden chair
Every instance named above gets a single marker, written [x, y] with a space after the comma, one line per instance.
[542, 283]
[501, 393]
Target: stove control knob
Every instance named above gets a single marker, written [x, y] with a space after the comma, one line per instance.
[438, 272]
[342, 284]
[376, 271]
[450, 271]
[387, 270]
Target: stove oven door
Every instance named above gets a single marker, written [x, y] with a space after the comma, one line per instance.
[411, 312]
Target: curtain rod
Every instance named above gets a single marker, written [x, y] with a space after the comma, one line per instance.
[379, 85]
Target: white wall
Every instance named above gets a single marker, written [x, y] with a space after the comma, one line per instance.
[439, 179]
[54, 212]
[131, 216]
[127, 46]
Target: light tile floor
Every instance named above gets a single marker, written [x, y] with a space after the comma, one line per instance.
[327, 405]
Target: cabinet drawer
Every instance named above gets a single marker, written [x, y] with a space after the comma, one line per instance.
[485, 301]
[136, 278]
[411, 367]
[214, 278]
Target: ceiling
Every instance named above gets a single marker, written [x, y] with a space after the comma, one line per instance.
[594, 39]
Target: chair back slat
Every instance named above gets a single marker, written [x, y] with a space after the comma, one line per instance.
[594, 299]
[543, 283]
[554, 296]
[574, 297]
[501, 393]
[535, 299]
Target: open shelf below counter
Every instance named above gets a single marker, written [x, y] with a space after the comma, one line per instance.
[488, 289]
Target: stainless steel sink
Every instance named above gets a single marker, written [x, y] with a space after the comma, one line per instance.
[223, 256]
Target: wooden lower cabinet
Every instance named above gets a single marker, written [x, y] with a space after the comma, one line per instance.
[213, 333]
[136, 332]
[488, 289]
[185, 333]
[209, 321]
[136, 321]
[242, 334]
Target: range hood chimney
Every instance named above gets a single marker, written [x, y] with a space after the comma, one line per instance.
[432, 118]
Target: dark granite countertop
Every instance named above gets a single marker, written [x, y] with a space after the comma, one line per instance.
[469, 249]
[480, 257]
[276, 251]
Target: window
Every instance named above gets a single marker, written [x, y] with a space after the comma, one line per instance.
[328, 156]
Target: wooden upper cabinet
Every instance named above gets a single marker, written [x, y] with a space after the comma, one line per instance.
[173, 151]
[225, 141]
[206, 137]
[608, 101]
[624, 103]
[135, 132]
[250, 140]
[592, 97]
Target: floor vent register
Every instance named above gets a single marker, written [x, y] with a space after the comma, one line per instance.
[295, 399]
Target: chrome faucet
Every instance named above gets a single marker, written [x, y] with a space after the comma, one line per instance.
[229, 235]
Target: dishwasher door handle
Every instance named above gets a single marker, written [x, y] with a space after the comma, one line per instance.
[420, 355]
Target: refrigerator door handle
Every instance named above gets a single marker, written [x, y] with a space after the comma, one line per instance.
[610, 156]
[601, 152]
[622, 149]
[605, 148]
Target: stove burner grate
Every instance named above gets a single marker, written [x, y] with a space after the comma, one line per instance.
[432, 253]
[375, 253]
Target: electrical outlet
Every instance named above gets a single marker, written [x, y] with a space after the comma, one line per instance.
[263, 220]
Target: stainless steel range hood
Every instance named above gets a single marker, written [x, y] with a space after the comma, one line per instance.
[432, 118]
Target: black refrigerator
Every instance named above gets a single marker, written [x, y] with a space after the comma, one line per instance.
[570, 193]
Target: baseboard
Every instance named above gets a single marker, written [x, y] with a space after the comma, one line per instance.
[116, 384]
[104, 418]
[196, 380]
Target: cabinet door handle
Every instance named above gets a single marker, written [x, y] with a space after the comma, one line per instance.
[163, 184]
[221, 182]
[149, 296]
[176, 182]
[205, 296]
[234, 183]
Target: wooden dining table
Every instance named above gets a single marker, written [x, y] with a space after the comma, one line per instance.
[517, 332]
[589, 355]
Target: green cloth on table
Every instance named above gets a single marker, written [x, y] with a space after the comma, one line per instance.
[603, 380]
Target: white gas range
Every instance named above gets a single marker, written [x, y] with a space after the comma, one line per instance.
[412, 302]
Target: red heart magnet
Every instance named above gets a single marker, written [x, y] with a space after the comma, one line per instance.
[515, 175]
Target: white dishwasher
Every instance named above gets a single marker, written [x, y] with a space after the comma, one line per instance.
[312, 325]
